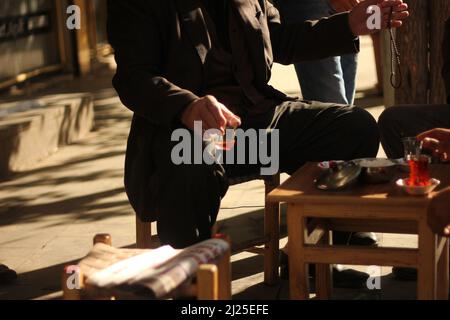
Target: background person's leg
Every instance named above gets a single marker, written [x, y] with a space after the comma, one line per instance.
[328, 80]
[322, 80]
[396, 123]
[349, 65]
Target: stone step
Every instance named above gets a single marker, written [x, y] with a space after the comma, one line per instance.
[29, 135]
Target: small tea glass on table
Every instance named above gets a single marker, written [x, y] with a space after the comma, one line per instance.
[419, 163]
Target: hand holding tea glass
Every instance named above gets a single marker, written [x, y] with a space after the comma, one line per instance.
[219, 143]
[212, 114]
[438, 141]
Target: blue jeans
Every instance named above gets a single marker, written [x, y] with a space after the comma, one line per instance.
[327, 80]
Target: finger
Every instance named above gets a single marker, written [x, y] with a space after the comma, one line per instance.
[395, 7]
[441, 134]
[430, 143]
[372, 2]
[396, 20]
[394, 24]
[438, 134]
[387, 12]
[232, 119]
[216, 111]
[208, 120]
[390, 3]
[432, 134]
[400, 15]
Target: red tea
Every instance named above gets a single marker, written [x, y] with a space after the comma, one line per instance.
[226, 145]
[419, 175]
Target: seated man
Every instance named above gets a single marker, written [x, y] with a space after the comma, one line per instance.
[408, 121]
[438, 141]
[182, 61]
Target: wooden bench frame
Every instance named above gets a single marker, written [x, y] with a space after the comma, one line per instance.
[213, 281]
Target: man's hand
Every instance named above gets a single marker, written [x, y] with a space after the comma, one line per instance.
[343, 5]
[358, 17]
[437, 140]
[211, 113]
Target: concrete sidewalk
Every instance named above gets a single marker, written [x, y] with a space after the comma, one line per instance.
[49, 214]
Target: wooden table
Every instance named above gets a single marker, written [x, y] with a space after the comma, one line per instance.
[384, 208]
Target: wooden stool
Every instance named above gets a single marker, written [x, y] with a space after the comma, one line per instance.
[146, 240]
[213, 281]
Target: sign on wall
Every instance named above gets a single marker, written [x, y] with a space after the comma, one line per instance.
[28, 37]
[21, 26]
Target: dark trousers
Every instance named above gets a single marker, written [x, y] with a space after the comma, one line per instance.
[189, 196]
[396, 123]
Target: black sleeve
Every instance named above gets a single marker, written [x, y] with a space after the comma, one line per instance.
[310, 40]
[135, 34]
[446, 52]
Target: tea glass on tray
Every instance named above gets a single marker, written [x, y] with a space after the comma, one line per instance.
[419, 181]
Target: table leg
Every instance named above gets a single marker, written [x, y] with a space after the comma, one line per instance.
[272, 249]
[298, 269]
[443, 274]
[427, 264]
[323, 275]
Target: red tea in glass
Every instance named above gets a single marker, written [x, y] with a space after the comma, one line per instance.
[226, 145]
[419, 175]
[227, 141]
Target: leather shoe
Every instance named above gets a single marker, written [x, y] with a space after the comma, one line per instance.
[7, 275]
[342, 277]
[355, 238]
[405, 274]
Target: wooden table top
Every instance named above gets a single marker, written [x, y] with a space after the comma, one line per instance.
[300, 188]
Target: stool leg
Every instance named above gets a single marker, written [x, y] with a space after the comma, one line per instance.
[72, 282]
[272, 231]
[272, 248]
[224, 270]
[427, 267]
[298, 269]
[443, 274]
[208, 282]
[324, 275]
[104, 238]
[143, 234]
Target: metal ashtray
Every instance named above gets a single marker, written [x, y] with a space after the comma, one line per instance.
[418, 190]
[339, 177]
[376, 171]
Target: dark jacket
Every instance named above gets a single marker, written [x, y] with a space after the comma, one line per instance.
[160, 48]
[446, 69]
